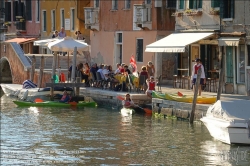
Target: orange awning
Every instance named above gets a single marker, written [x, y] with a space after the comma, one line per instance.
[21, 40]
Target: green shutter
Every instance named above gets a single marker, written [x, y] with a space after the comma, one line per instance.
[181, 6]
[215, 3]
[191, 4]
[28, 10]
[232, 9]
[200, 4]
[7, 14]
[15, 10]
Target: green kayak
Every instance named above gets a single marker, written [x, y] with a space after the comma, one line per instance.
[55, 104]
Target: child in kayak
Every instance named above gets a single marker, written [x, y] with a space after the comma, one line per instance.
[127, 102]
[65, 98]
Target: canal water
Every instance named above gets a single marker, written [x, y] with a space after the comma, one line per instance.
[102, 136]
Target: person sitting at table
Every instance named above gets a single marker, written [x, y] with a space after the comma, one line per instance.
[151, 86]
[85, 74]
[108, 78]
[127, 102]
[117, 71]
[94, 69]
[150, 68]
[196, 67]
[126, 70]
[65, 98]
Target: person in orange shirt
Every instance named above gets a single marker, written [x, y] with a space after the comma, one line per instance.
[85, 74]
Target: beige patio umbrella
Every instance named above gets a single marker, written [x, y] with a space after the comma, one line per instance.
[65, 45]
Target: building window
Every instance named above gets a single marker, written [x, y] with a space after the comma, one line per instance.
[115, 4]
[72, 19]
[44, 21]
[139, 50]
[62, 18]
[28, 10]
[215, 3]
[118, 48]
[15, 10]
[181, 4]
[195, 4]
[148, 1]
[127, 4]
[171, 4]
[96, 3]
[53, 20]
[37, 10]
[7, 16]
[227, 9]
[241, 64]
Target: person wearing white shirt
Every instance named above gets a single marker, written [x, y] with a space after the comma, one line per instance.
[117, 71]
[196, 67]
[105, 72]
[100, 71]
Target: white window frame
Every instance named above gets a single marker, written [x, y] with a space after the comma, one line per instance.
[62, 19]
[53, 22]
[238, 63]
[95, 3]
[38, 18]
[184, 6]
[113, 4]
[117, 47]
[142, 50]
[43, 21]
[72, 23]
[126, 4]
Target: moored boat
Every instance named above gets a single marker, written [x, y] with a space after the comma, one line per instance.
[55, 104]
[229, 121]
[184, 98]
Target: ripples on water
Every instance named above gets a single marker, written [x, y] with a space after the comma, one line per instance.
[102, 136]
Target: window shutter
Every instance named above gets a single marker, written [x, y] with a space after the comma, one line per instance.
[181, 5]
[200, 4]
[191, 4]
[7, 8]
[15, 10]
[22, 13]
[232, 9]
[28, 10]
[222, 9]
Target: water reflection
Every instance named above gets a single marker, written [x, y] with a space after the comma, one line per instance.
[95, 136]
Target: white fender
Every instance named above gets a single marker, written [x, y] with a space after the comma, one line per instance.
[25, 95]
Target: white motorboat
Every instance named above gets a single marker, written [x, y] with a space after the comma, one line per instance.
[229, 121]
[28, 94]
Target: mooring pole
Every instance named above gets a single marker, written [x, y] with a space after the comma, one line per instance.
[77, 88]
[221, 74]
[197, 84]
[33, 67]
[73, 75]
[41, 72]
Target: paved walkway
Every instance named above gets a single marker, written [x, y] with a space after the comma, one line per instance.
[224, 96]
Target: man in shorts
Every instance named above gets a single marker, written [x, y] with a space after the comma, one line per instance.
[196, 67]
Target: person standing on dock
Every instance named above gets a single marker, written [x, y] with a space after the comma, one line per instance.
[196, 67]
[151, 86]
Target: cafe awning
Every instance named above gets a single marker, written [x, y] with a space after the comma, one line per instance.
[21, 40]
[229, 41]
[176, 42]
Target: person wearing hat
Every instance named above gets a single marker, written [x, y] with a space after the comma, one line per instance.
[196, 67]
[151, 86]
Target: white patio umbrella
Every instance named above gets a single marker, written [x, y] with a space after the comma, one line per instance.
[44, 42]
[65, 45]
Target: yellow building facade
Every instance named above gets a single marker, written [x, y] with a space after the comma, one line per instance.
[68, 14]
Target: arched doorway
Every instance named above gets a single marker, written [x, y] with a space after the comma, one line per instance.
[6, 76]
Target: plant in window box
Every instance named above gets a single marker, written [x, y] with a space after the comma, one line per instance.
[190, 12]
[214, 11]
[177, 14]
[7, 24]
[22, 20]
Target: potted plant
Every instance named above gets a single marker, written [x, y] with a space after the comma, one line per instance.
[177, 14]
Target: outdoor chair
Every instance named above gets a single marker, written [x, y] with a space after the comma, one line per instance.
[159, 79]
[99, 80]
[142, 83]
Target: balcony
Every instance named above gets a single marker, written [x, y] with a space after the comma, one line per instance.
[142, 16]
[91, 18]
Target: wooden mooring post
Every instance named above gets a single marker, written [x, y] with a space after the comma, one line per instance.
[197, 84]
[77, 88]
[41, 72]
[33, 67]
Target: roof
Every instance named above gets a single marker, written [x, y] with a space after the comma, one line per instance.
[21, 40]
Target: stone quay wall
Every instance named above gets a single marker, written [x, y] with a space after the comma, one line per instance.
[178, 109]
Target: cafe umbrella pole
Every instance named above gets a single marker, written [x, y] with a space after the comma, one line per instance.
[197, 84]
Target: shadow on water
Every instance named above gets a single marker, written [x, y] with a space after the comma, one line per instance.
[103, 136]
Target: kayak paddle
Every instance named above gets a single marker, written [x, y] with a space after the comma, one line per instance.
[146, 110]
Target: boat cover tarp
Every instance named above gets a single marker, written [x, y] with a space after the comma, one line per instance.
[234, 110]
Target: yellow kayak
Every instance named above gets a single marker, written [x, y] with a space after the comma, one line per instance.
[184, 98]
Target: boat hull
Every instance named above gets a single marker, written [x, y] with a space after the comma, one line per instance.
[53, 104]
[226, 131]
